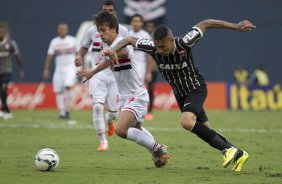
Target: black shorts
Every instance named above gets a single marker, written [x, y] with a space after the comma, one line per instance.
[194, 102]
[4, 80]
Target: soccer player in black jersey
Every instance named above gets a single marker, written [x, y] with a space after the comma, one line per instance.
[8, 50]
[174, 59]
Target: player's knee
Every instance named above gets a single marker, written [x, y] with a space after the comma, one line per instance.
[121, 132]
[188, 121]
[98, 110]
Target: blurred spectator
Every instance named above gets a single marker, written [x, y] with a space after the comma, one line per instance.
[8, 49]
[151, 74]
[241, 75]
[259, 77]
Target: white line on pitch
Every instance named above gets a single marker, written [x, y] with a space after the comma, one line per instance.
[74, 125]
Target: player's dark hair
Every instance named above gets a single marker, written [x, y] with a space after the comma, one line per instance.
[137, 15]
[105, 18]
[108, 3]
[161, 32]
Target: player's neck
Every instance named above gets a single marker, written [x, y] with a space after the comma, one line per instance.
[136, 31]
[110, 41]
[62, 37]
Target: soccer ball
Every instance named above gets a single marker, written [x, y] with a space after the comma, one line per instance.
[46, 160]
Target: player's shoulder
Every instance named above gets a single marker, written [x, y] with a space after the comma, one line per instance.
[122, 27]
[70, 37]
[92, 28]
[145, 34]
[123, 30]
[55, 40]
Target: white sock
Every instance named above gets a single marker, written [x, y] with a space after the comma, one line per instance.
[99, 123]
[60, 103]
[111, 116]
[141, 138]
[145, 131]
[68, 100]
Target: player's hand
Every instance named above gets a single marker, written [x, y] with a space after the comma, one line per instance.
[78, 60]
[85, 73]
[112, 58]
[245, 26]
[46, 74]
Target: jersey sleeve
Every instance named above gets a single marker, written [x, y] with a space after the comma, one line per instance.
[51, 49]
[15, 48]
[191, 37]
[145, 45]
[86, 41]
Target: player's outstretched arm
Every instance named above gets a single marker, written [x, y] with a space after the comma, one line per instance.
[242, 26]
[123, 43]
[88, 74]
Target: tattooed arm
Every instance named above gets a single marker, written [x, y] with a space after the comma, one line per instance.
[211, 23]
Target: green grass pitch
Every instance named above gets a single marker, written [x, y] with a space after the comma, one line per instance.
[192, 160]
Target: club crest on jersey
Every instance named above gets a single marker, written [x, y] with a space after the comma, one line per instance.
[146, 42]
[173, 66]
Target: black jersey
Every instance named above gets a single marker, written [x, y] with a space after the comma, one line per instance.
[178, 68]
[8, 48]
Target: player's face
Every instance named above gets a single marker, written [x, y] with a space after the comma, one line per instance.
[136, 23]
[165, 46]
[106, 34]
[62, 30]
[109, 8]
[149, 27]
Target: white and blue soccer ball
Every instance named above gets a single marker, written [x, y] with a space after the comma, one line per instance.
[46, 160]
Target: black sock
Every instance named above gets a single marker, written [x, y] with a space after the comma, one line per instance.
[224, 139]
[240, 152]
[210, 137]
[4, 101]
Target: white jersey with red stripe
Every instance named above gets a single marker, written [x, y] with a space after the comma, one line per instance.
[126, 75]
[92, 38]
[140, 56]
[64, 50]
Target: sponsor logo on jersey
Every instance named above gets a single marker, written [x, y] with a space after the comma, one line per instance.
[173, 66]
[191, 35]
[146, 42]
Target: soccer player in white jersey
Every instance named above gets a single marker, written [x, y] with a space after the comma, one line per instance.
[137, 23]
[63, 48]
[133, 95]
[102, 87]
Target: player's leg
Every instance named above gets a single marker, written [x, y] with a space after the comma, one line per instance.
[4, 82]
[113, 103]
[58, 88]
[151, 88]
[129, 127]
[97, 90]
[99, 125]
[240, 158]
[69, 82]
[192, 107]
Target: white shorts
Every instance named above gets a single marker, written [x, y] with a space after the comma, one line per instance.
[137, 105]
[63, 78]
[104, 91]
